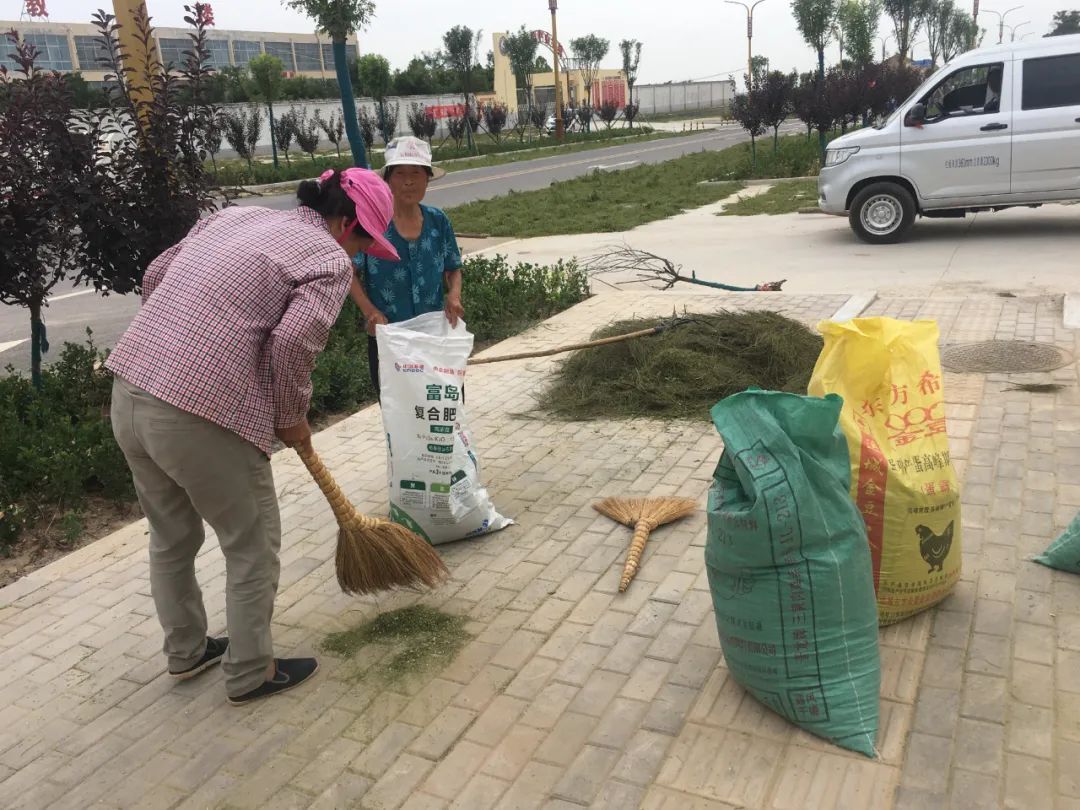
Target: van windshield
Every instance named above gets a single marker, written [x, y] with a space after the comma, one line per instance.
[898, 109]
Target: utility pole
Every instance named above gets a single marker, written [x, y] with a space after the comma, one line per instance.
[749, 38]
[560, 125]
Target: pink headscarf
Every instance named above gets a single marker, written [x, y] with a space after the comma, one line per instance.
[374, 207]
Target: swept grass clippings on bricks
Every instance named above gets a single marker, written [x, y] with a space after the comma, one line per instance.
[682, 372]
[783, 198]
[420, 639]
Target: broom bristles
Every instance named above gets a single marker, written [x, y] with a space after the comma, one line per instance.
[385, 556]
[657, 511]
[373, 554]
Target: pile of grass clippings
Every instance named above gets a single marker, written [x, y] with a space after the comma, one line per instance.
[684, 371]
[420, 639]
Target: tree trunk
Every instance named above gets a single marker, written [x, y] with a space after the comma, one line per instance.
[36, 328]
[821, 78]
[753, 153]
[348, 104]
[775, 140]
[273, 137]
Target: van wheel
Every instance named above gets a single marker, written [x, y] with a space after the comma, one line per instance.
[882, 213]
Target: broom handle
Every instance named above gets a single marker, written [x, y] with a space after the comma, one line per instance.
[637, 547]
[479, 361]
[343, 510]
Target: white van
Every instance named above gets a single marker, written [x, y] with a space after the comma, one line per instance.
[997, 127]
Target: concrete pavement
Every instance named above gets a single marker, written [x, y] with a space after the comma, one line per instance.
[1019, 251]
[570, 695]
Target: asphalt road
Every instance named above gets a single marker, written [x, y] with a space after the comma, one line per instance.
[71, 312]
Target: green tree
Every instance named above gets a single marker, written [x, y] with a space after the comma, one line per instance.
[462, 46]
[375, 80]
[541, 65]
[631, 60]
[1065, 22]
[964, 35]
[858, 22]
[521, 49]
[814, 19]
[938, 22]
[589, 50]
[340, 19]
[266, 78]
[907, 17]
[373, 71]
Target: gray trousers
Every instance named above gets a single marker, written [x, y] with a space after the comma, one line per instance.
[187, 470]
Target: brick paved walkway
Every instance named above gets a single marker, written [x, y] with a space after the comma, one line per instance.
[570, 695]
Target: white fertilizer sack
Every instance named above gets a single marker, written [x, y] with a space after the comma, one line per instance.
[433, 470]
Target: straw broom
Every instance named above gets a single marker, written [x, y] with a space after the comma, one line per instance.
[644, 515]
[373, 554]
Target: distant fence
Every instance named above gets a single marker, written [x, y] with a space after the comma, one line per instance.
[654, 99]
[661, 99]
[441, 107]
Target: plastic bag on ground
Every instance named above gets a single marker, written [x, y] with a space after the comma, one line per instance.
[1064, 553]
[789, 566]
[432, 464]
[903, 481]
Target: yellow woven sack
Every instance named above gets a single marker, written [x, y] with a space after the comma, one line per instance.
[903, 481]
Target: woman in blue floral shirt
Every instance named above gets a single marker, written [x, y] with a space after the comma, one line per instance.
[427, 277]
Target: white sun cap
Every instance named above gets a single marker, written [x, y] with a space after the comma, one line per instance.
[410, 151]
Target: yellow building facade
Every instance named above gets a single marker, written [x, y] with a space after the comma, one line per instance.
[608, 85]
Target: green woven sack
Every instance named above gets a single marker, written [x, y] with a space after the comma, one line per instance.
[1064, 553]
[789, 566]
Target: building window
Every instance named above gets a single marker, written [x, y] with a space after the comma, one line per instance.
[172, 51]
[307, 56]
[219, 52]
[89, 51]
[244, 50]
[283, 51]
[1052, 82]
[328, 55]
[53, 50]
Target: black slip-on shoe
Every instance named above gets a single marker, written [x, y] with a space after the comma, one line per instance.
[290, 673]
[215, 648]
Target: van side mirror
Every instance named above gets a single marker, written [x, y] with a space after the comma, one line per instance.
[916, 116]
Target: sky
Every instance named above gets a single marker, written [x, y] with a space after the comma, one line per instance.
[707, 38]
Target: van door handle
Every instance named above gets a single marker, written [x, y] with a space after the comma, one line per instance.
[993, 127]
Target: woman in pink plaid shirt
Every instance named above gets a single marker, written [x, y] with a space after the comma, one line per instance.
[217, 362]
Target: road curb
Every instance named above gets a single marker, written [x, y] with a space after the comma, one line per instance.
[855, 306]
[1072, 310]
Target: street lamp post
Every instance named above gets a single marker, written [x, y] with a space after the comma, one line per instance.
[884, 42]
[1001, 15]
[749, 38]
[560, 125]
[1013, 29]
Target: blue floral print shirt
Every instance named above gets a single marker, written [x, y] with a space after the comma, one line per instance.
[414, 285]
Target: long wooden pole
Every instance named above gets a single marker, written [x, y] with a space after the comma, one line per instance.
[137, 54]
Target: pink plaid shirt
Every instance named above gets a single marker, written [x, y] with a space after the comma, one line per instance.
[233, 317]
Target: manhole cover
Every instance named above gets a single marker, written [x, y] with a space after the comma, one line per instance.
[1004, 356]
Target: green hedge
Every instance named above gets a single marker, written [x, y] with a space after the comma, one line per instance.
[57, 448]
